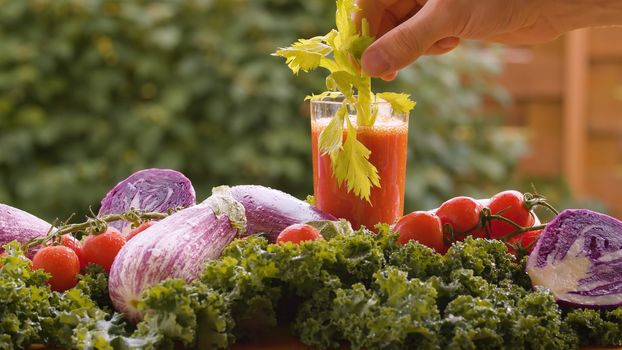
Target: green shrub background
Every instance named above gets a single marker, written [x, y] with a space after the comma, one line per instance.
[91, 91]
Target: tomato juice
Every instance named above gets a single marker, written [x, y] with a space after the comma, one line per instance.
[387, 140]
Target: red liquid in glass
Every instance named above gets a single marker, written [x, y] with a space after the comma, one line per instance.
[387, 143]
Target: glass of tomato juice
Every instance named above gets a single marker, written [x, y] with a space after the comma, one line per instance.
[387, 140]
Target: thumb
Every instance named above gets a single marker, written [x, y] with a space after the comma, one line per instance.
[405, 43]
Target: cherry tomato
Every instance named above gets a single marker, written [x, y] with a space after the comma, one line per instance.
[61, 263]
[72, 243]
[525, 240]
[421, 226]
[103, 248]
[510, 205]
[462, 213]
[298, 233]
[139, 229]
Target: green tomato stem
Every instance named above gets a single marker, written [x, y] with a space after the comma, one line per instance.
[95, 225]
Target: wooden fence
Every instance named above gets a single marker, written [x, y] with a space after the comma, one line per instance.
[568, 96]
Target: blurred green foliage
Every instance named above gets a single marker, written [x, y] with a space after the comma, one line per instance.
[92, 90]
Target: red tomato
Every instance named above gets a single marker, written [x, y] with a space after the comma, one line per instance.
[421, 226]
[72, 243]
[103, 248]
[61, 263]
[510, 205]
[139, 229]
[462, 213]
[525, 240]
[298, 233]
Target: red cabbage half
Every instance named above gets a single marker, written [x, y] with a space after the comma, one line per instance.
[153, 190]
[579, 258]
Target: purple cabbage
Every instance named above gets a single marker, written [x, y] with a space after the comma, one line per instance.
[269, 211]
[18, 225]
[579, 258]
[153, 190]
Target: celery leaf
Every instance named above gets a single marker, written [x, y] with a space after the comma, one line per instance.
[399, 102]
[323, 95]
[344, 82]
[352, 165]
[305, 54]
[331, 137]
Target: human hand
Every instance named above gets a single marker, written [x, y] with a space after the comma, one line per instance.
[407, 29]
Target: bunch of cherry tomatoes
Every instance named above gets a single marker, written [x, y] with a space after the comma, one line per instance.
[65, 260]
[507, 216]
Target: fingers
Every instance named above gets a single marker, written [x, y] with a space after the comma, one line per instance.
[388, 3]
[389, 76]
[384, 15]
[402, 9]
[411, 39]
[373, 11]
[387, 23]
[440, 47]
[443, 46]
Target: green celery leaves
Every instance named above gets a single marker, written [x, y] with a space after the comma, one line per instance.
[340, 52]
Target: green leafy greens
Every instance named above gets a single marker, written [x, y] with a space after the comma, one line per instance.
[31, 313]
[355, 288]
[340, 52]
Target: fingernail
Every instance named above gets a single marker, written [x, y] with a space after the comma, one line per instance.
[375, 62]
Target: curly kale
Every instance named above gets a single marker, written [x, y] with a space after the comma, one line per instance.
[460, 282]
[247, 276]
[94, 283]
[417, 260]
[357, 288]
[393, 313]
[596, 327]
[24, 300]
[312, 324]
[364, 290]
[487, 258]
[191, 314]
[31, 313]
[503, 322]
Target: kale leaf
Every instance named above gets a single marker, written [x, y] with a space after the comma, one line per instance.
[395, 312]
[358, 289]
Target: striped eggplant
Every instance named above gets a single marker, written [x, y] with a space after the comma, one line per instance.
[175, 247]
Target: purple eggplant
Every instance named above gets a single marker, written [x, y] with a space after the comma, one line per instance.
[18, 225]
[269, 211]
